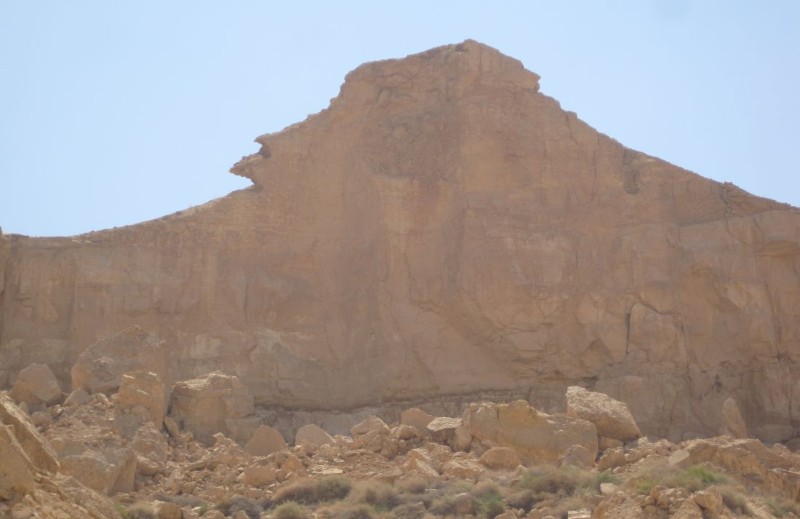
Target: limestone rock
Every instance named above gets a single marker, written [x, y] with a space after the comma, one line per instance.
[101, 366]
[416, 417]
[611, 417]
[500, 458]
[36, 447]
[259, 475]
[462, 467]
[443, 429]
[210, 404]
[109, 472]
[577, 456]
[16, 469]
[450, 230]
[265, 441]
[36, 386]
[733, 423]
[143, 388]
[535, 436]
[313, 435]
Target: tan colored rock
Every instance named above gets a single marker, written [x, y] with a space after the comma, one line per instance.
[259, 475]
[680, 459]
[688, 509]
[461, 466]
[611, 417]
[143, 388]
[151, 450]
[611, 458]
[76, 398]
[36, 447]
[167, 510]
[16, 469]
[368, 425]
[101, 366]
[733, 423]
[618, 506]
[210, 404]
[536, 437]
[577, 456]
[442, 429]
[450, 230]
[405, 432]
[710, 501]
[265, 441]
[108, 472]
[416, 417]
[313, 435]
[36, 386]
[500, 458]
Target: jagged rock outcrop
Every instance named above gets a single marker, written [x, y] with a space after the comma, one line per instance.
[448, 230]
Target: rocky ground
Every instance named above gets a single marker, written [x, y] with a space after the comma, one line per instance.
[120, 451]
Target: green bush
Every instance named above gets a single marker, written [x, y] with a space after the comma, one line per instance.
[558, 481]
[291, 510]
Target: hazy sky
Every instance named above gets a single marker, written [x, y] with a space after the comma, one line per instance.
[113, 113]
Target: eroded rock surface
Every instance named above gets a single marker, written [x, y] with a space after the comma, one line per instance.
[448, 229]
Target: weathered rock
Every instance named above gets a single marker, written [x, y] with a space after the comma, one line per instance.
[151, 450]
[368, 425]
[416, 417]
[500, 458]
[577, 456]
[313, 435]
[733, 423]
[443, 429]
[76, 398]
[165, 510]
[143, 388]
[449, 230]
[618, 506]
[265, 441]
[16, 469]
[211, 404]
[109, 471]
[259, 475]
[101, 366]
[36, 386]
[535, 436]
[34, 444]
[611, 417]
[461, 466]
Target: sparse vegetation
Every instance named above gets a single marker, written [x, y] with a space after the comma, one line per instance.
[381, 496]
[230, 506]
[137, 511]
[291, 510]
[310, 491]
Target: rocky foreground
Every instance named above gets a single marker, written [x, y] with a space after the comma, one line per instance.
[122, 445]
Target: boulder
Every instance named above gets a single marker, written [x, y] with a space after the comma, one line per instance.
[37, 448]
[259, 475]
[578, 456]
[36, 386]
[16, 469]
[101, 366]
[265, 441]
[370, 424]
[211, 404]
[416, 417]
[462, 466]
[145, 389]
[151, 449]
[312, 434]
[535, 436]
[500, 458]
[109, 471]
[442, 429]
[733, 423]
[611, 417]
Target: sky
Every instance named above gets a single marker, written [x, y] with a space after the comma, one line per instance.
[112, 113]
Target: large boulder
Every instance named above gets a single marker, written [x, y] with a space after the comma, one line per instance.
[16, 469]
[36, 386]
[101, 366]
[265, 441]
[143, 389]
[312, 434]
[535, 436]
[36, 447]
[108, 471]
[211, 404]
[612, 418]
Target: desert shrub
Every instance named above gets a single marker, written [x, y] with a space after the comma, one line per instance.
[559, 481]
[488, 500]
[735, 501]
[303, 491]
[332, 488]
[230, 506]
[524, 499]
[415, 510]
[291, 510]
[349, 511]
[412, 485]
[782, 507]
[694, 478]
[183, 500]
[138, 511]
[605, 476]
[444, 505]
[379, 495]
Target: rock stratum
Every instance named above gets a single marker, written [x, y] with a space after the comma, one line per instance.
[443, 232]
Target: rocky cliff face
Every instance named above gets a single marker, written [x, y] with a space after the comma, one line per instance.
[443, 229]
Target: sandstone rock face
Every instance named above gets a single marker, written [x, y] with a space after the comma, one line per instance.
[611, 417]
[211, 404]
[101, 366]
[450, 230]
[36, 386]
[536, 437]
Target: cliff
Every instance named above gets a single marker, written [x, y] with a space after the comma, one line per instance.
[443, 230]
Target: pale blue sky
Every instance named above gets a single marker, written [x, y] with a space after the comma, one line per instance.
[113, 113]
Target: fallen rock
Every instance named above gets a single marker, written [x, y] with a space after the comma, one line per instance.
[211, 404]
[577, 456]
[101, 366]
[259, 475]
[145, 389]
[461, 466]
[500, 458]
[36, 447]
[442, 429]
[265, 441]
[312, 434]
[370, 424]
[535, 436]
[16, 469]
[36, 386]
[416, 417]
[108, 472]
[612, 418]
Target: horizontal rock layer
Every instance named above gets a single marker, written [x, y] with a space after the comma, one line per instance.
[443, 229]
